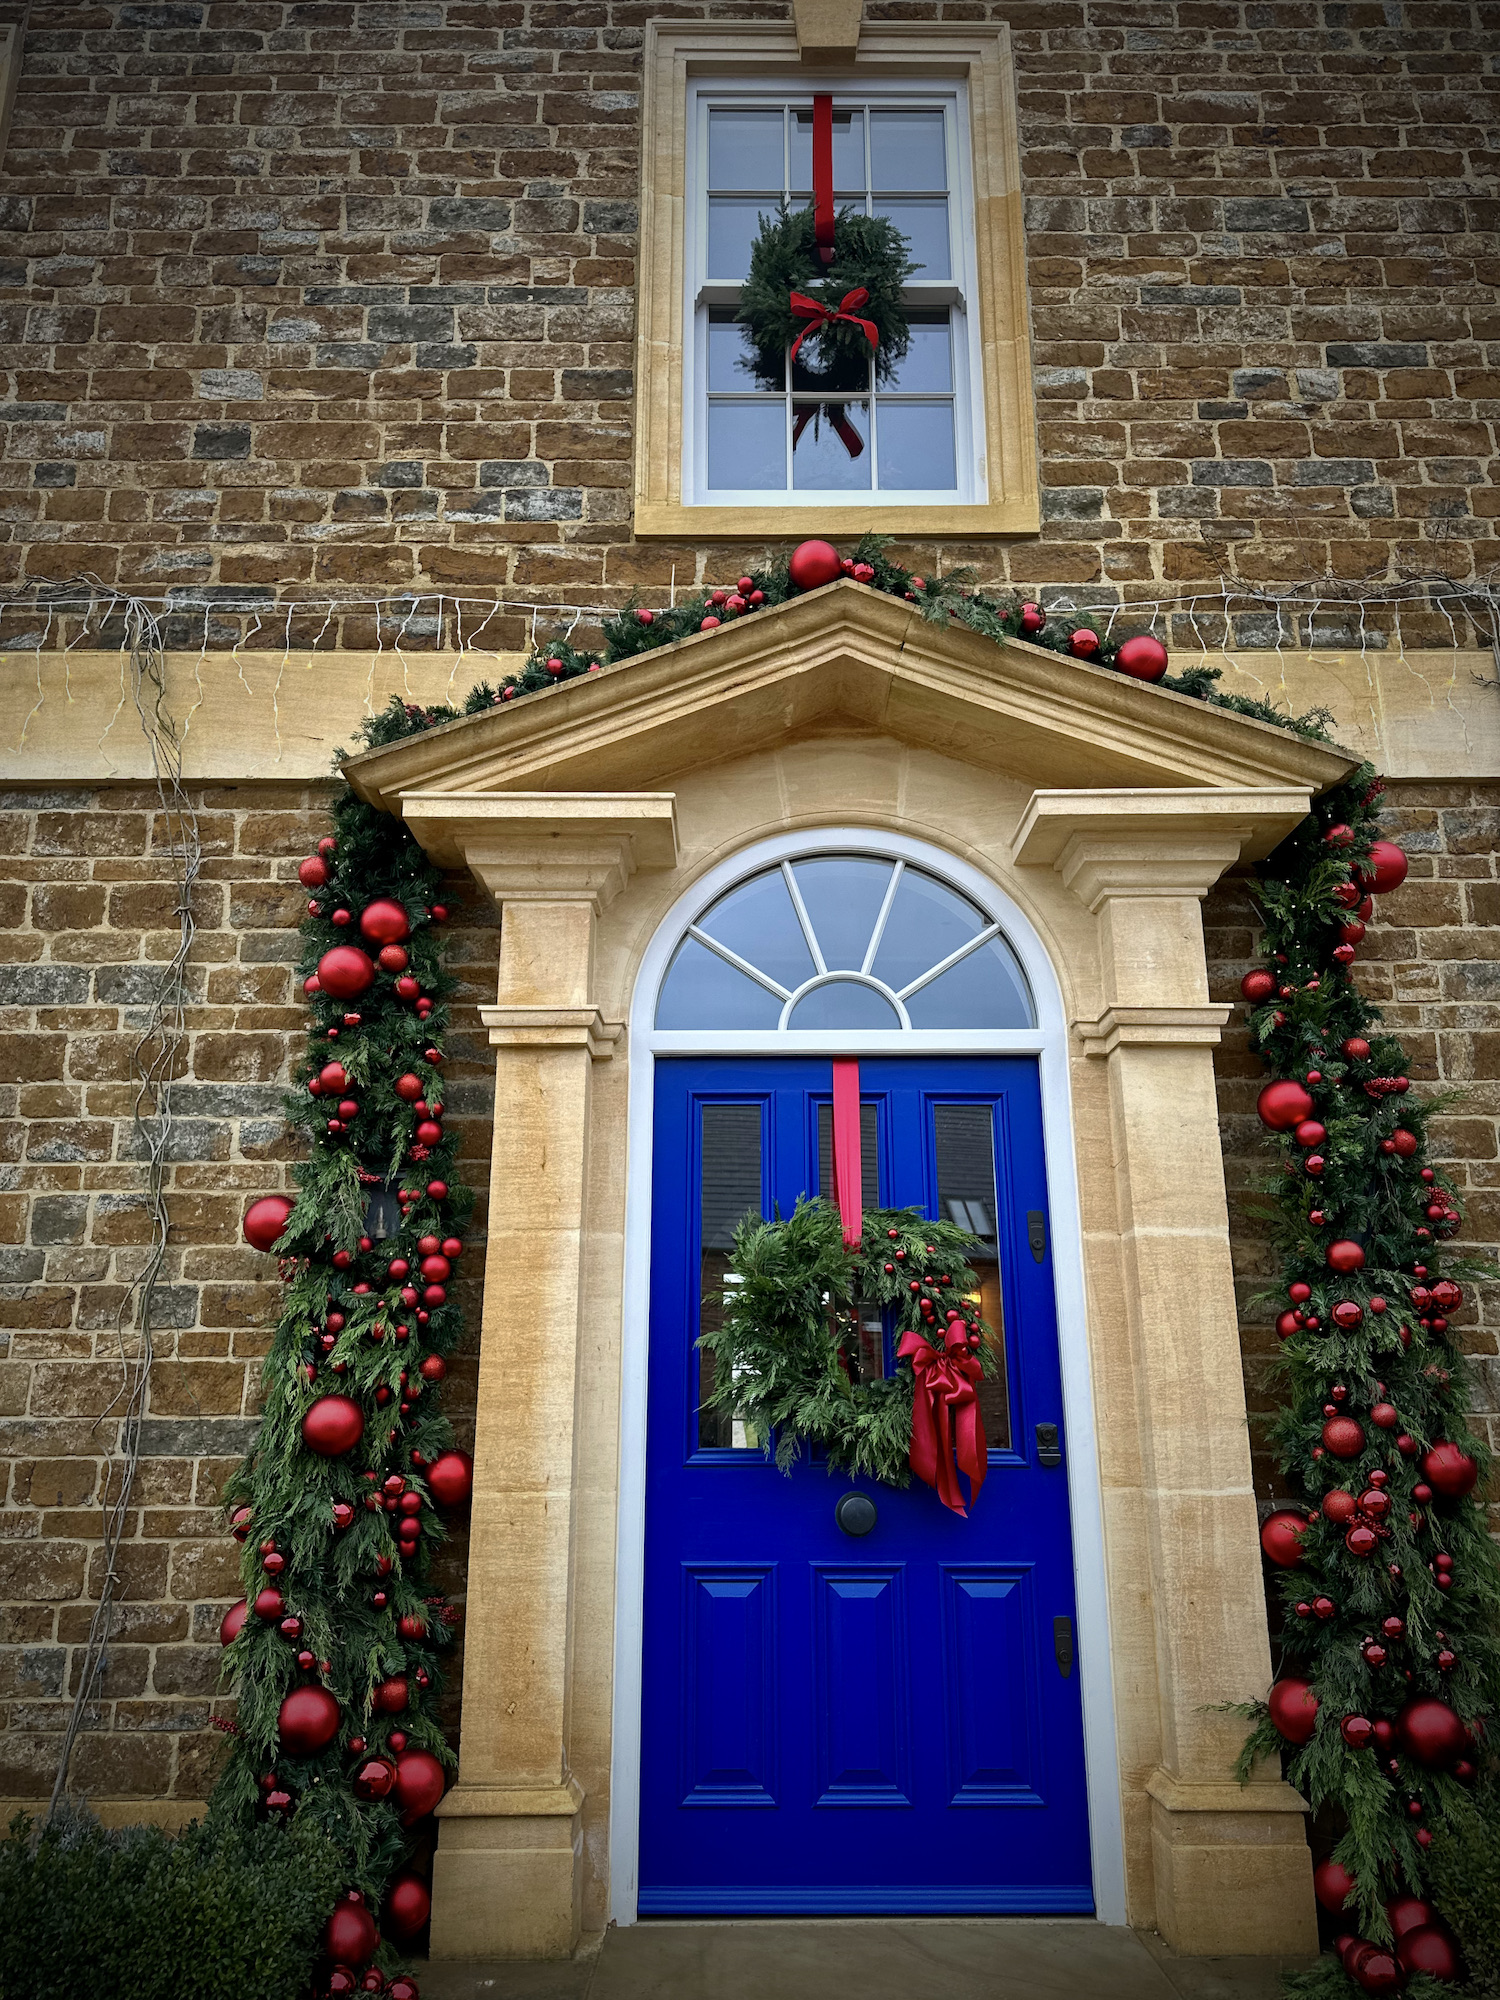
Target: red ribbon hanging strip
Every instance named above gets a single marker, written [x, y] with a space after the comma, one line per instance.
[822, 170]
[848, 1166]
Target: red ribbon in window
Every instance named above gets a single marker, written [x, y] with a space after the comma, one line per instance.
[946, 1424]
[853, 443]
[822, 166]
[848, 1165]
[818, 315]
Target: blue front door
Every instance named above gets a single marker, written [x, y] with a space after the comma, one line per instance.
[838, 1725]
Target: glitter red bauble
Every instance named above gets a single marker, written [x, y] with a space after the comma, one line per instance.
[1450, 1471]
[1283, 1104]
[1427, 1949]
[450, 1478]
[313, 872]
[814, 564]
[374, 1779]
[1333, 1885]
[266, 1220]
[308, 1722]
[1345, 1256]
[1294, 1709]
[1143, 658]
[350, 1934]
[1343, 1437]
[391, 1696]
[232, 1620]
[1385, 869]
[407, 1905]
[345, 972]
[1281, 1538]
[1257, 987]
[410, 1089]
[385, 922]
[1431, 1732]
[334, 1424]
[419, 1784]
[1340, 1507]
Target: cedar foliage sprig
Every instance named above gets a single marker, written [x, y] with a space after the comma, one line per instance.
[1318, 1029]
[781, 1351]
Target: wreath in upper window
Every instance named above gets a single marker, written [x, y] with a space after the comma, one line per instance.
[837, 317]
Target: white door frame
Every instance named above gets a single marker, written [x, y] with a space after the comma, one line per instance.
[1049, 1042]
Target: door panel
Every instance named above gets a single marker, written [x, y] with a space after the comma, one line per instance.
[850, 1725]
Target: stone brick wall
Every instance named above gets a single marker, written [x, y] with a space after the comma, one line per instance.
[85, 920]
[340, 294]
[1432, 962]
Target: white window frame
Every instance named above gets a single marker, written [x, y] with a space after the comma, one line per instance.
[960, 293]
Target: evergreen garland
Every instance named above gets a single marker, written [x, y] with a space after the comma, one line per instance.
[870, 254]
[782, 1351]
[1369, 1629]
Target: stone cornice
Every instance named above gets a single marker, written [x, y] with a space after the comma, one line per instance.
[552, 1028]
[1151, 1027]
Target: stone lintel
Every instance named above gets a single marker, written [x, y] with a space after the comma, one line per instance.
[547, 846]
[1151, 1027]
[1153, 842]
[552, 1028]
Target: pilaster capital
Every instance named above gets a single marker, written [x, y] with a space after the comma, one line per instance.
[552, 1028]
[1152, 1027]
[547, 847]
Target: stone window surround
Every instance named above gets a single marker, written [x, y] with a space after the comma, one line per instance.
[980, 54]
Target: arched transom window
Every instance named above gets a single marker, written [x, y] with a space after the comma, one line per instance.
[846, 942]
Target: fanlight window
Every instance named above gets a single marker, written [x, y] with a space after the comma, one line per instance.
[844, 942]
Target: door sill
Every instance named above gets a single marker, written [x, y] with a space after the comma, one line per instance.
[884, 1899]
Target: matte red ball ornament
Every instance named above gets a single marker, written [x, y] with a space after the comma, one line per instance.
[419, 1784]
[313, 872]
[308, 1722]
[1257, 987]
[1408, 1913]
[1385, 869]
[1281, 1538]
[410, 1089]
[1333, 1885]
[1287, 1324]
[1309, 1132]
[1430, 1950]
[1143, 658]
[334, 1424]
[232, 1620]
[350, 1934]
[814, 564]
[385, 922]
[1294, 1709]
[407, 1905]
[1431, 1732]
[269, 1603]
[450, 1478]
[1450, 1471]
[1343, 1437]
[265, 1221]
[1357, 1049]
[429, 1133]
[1283, 1104]
[345, 972]
[1346, 1255]
[375, 1779]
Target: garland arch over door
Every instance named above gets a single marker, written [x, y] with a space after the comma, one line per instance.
[871, 945]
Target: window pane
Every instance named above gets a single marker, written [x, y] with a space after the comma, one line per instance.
[830, 447]
[929, 359]
[732, 226]
[848, 153]
[731, 1190]
[759, 924]
[744, 150]
[965, 1135]
[916, 447]
[843, 1003]
[907, 152]
[849, 374]
[927, 921]
[985, 990]
[747, 446]
[702, 991]
[843, 898]
[731, 358]
[924, 224]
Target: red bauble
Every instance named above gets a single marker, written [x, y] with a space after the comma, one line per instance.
[1348, 1313]
[1451, 1471]
[450, 1478]
[419, 1784]
[392, 958]
[374, 1779]
[391, 1696]
[343, 1981]
[345, 972]
[1257, 987]
[1287, 1324]
[433, 1368]
[1375, 1969]
[411, 1625]
[1084, 643]
[1294, 1709]
[1343, 1437]
[385, 922]
[1408, 1913]
[350, 1934]
[1281, 1538]
[429, 1133]
[402, 1987]
[436, 1270]
[1385, 869]
[1346, 1255]
[1447, 1296]
[1142, 657]
[265, 1220]
[1333, 1885]
[313, 872]
[232, 1620]
[1361, 1541]
[1431, 1732]
[1427, 1949]
[1356, 1048]
[334, 1424]
[1340, 1507]
[308, 1722]
[1283, 1104]
[814, 564]
[1310, 1133]
[410, 1088]
[407, 1905]
[1357, 1731]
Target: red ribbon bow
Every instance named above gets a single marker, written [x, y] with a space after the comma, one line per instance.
[819, 316]
[945, 1416]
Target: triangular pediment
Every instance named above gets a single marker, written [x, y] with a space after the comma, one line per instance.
[846, 658]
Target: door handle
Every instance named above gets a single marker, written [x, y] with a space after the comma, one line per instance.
[1062, 1645]
[1048, 1450]
[1036, 1232]
[855, 1513]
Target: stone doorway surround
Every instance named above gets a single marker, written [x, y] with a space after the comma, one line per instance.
[1106, 810]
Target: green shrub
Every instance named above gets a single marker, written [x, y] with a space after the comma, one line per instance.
[1465, 1862]
[222, 1912]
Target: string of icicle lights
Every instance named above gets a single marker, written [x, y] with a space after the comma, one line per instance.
[482, 635]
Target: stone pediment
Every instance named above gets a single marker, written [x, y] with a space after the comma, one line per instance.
[838, 659]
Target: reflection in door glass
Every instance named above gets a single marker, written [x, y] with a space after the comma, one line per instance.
[731, 1190]
[869, 1363]
[966, 1195]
